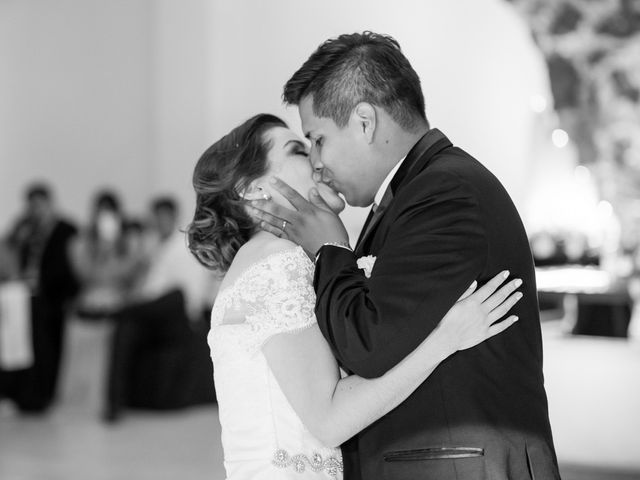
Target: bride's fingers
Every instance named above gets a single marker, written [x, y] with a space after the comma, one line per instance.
[491, 286]
[504, 307]
[501, 295]
[469, 291]
[502, 326]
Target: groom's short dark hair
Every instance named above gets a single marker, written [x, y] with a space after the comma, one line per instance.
[359, 67]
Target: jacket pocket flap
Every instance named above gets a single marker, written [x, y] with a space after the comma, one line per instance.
[436, 453]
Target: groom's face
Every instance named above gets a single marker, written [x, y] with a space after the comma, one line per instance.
[339, 156]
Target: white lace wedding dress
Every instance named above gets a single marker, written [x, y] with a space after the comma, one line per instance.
[262, 437]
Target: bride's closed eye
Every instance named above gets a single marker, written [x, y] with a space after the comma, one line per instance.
[297, 148]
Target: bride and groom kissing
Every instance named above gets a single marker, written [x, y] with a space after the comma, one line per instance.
[406, 368]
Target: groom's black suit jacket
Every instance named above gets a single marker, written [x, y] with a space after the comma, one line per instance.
[482, 414]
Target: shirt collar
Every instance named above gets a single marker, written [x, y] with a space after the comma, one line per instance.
[385, 184]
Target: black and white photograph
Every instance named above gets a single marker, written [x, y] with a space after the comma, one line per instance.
[339, 240]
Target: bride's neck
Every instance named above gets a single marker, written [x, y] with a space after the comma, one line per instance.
[260, 245]
[260, 236]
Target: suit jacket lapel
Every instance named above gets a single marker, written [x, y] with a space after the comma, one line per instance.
[365, 226]
[374, 217]
[422, 152]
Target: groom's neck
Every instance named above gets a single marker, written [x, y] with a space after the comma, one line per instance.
[394, 142]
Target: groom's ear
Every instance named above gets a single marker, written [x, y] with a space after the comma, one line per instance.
[365, 118]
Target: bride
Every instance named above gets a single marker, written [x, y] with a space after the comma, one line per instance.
[283, 406]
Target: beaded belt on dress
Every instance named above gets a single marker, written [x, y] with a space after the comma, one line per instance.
[299, 462]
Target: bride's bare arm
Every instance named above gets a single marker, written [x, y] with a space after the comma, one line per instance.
[335, 409]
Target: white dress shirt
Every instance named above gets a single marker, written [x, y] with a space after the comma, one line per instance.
[385, 184]
[376, 200]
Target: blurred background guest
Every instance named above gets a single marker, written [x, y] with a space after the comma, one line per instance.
[40, 240]
[159, 357]
[552, 108]
[106, 258]
[169, 265]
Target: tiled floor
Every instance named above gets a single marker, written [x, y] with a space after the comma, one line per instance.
[177, 446]
[593, 388]
[68, 445]
[71, 443]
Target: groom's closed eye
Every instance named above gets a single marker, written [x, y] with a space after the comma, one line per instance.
[316, 142]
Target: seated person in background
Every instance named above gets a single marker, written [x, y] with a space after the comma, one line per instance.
[166, 307]
[169, 265]
[41, 241]
[105, 258]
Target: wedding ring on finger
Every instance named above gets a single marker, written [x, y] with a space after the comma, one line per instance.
[284, 225]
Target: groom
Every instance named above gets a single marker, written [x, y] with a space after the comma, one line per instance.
[439, 221]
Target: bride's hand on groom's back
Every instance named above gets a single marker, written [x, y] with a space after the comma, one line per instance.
[475, 316]
[312, 224]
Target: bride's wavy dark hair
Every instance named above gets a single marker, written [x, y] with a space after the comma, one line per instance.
[220, 223]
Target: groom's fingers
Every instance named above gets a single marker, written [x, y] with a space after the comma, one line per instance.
[297, 200]
[269, 210]
[271, 229]
[261, 211]
[317, 200]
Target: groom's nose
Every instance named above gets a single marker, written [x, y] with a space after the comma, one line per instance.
[316, 165]
[314, 159]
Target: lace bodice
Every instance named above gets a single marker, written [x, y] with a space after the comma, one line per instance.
[272, 296]
[262, 436]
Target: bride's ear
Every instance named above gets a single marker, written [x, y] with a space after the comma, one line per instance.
[255, 191]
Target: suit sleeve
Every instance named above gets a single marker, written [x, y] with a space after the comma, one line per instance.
[435, 248]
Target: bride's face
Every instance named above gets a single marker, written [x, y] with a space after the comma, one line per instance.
[289, 160]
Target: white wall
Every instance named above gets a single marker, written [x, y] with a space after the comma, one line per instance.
[75, 100]
[180, 83]
[476, 59]
[129, 93]
[96, 93]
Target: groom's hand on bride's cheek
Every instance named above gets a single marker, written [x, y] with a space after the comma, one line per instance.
[311, 225]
